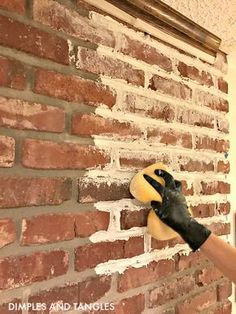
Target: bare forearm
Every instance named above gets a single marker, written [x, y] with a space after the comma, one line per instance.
[222, 254]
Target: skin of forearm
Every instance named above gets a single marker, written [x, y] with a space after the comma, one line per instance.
[222, 254]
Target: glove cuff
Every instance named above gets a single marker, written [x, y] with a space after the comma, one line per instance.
[195, 235]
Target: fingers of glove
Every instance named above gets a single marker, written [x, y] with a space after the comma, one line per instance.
[156, 185]
[169, 180]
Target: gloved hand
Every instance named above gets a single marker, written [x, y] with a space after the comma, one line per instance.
[173, 210]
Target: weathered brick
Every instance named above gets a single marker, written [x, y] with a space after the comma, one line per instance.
[31, 191]
[203, 210]
[89, 222]
[222, 125]
[130, 219]
[7, 231]
[137, 277]
[160, 244]
[197, 303]
[194, 117]
[33, 40]
[50, 155]
[16, 6]
[91, 191]
[7, 151]
[207, 275]
[221, 308]
[149, 107]
[59, 17]
[132, 305]
[90, 255]
[108, 66]
[187, 188]
[200, 76]
[12, 73]
[223, 166]
[206, 142]
[87, 124]
[211, 188]
[20, 114]
[222, 85]
[50, 228]
[191, 165]
[56, 84]
[219, 228]
[4, 308]
[170, 290]
[170, 87]
[211, 101]
[224, 290]
[144, 52]
[16, 271]
[170, 137]
[223, 208]
[191, 260]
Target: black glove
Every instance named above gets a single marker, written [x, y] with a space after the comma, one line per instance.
[173, 210]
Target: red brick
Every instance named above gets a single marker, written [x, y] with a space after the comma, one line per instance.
[131, 161]
[202, 77]
[191, 165]
[207, 275]
[89, 222]
[143, 52]
[47, 228]
[149, 107]
[222, 308]
[29, 191]
[90, 191]
[90, 255]
[132, 305]
[211, 188]
[223, 208]
[191, 260]
[194, 117]
[4, 308]
[16, 6]
[20, 114]
[137, 277]
[108, 66]
[50, 155]
[84, 124]
[56, 84]
[160, 244]
[212, 101]
[33, 40]
[60, 18]
[187, 188]
[222, 125]
[224, 290]
[197, 303]
[170, 137]
[130, 219]
[93, 289]
[170, 87]
[168, 291]
[222, 85]
[7, 151]
[223, 166]
[203, 210]
[206, 142]
[23, 270]
[12, 73]
[7, 231]
[219, 228]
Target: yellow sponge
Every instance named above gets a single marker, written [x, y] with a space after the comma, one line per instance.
[145, 193]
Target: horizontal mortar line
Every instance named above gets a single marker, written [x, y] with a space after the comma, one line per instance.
[155, 69]
[71, 277]
[48, 29]
[145, 123]
[161, 47]
[121, 265]
[120, 85]
[47, 64]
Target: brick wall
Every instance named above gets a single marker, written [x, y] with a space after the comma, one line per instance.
[86, 102]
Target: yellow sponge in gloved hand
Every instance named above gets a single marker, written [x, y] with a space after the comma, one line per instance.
[145, 193]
